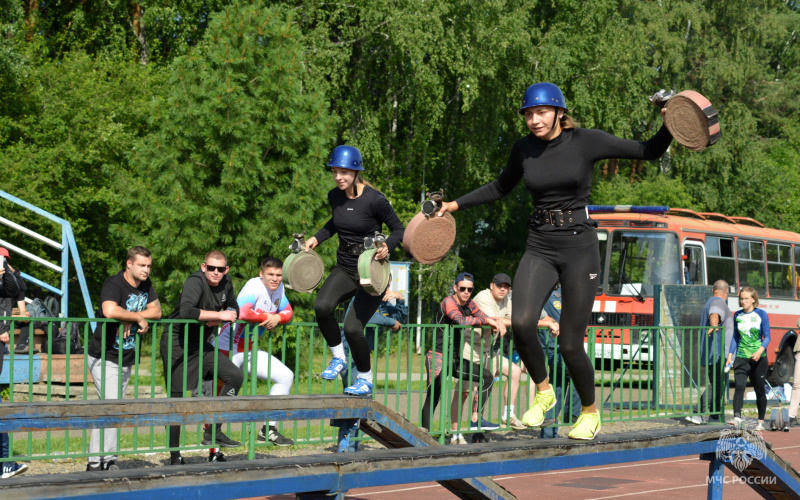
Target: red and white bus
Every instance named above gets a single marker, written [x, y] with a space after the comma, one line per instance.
[678, 246]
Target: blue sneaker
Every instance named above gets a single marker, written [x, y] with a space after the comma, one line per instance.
[11, 469]
[334, 369]
[360, 388]
[484, 425]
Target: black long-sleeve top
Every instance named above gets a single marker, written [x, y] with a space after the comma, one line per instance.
[558, 173]
[197, 295]
[355, 219]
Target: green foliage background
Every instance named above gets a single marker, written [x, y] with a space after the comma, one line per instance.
[195, 124]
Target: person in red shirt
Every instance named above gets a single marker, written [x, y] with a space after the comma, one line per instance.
[459, 309]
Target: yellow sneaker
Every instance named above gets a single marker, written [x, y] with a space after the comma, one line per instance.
[542, 402]
[587, 426]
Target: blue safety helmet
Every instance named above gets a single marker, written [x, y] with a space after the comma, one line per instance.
[542, 94]
[346, 157]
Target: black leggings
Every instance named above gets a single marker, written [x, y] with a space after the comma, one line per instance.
[342, 284]
[574, 261]
[757, 372]
[461, 369]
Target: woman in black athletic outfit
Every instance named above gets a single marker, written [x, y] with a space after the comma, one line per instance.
[358, 211]
[556, 160]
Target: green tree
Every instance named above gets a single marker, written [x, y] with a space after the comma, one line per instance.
[80, 117]
[236, 158]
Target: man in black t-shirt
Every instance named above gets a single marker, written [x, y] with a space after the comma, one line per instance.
[208, 297]
[128, 297]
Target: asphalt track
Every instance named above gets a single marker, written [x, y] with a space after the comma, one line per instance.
[675, 478]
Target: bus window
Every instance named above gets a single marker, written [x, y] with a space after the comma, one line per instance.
[641, 259]
[750, 255]
[602, 236]
[694, 268]
[779, 270]
[721, 264]
[797, 268]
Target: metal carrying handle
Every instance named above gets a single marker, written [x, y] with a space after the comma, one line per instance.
[661, 97]
[299, 242]
[433, 203]
[374, 241]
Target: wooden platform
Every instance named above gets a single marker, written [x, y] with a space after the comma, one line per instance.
[384, 424]
[338, 472]
[464, 470]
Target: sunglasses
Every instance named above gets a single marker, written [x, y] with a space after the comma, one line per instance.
[211, 269]
[466, 289]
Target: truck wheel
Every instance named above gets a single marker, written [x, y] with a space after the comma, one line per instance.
[783, 369]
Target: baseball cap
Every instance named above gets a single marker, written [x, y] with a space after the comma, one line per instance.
[4, 252]
[464, 276]
[501, 278]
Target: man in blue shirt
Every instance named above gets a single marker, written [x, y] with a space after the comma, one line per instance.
[713, 349]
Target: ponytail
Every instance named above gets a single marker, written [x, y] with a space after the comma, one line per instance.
[567, 122]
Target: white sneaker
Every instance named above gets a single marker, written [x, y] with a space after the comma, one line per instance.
[737, 421]
[695, 419]
[458, 439]
[759, 427]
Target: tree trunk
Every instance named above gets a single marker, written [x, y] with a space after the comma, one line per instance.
[31, 6]
[138, 30]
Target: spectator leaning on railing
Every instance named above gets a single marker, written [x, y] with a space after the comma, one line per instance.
[262, 301]
[459, 309]
[495, 301]
[208, 297]
[129, 297]
[9, 290]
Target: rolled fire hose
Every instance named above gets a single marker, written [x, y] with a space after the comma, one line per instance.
[373, 274]
[692, 120]
[429, 237]
[303, 271]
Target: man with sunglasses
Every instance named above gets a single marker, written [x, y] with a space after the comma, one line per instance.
[209, 298]
[459, 309]
[127, 297]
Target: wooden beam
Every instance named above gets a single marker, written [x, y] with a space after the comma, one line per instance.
[36, 416]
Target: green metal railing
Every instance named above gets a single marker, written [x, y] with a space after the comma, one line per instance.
[641, 373]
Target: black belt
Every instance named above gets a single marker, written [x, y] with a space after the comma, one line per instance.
[354, 248]
[559, 218]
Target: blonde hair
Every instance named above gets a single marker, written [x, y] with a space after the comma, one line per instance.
[567, 122]
[364, 181]
[752, 292]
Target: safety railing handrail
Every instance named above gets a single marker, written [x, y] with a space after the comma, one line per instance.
[401, 378]
[68, 248]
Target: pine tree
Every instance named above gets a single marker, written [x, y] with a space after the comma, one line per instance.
[236, 161]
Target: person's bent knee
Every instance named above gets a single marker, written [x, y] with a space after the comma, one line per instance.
[524, 323]
[236, 379]
[572, 350]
